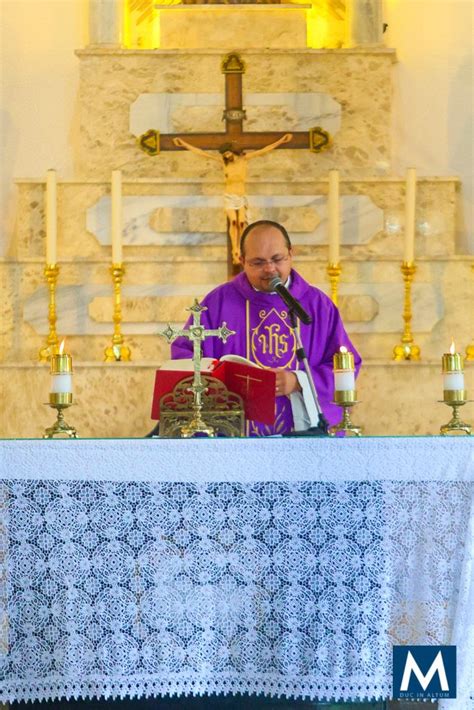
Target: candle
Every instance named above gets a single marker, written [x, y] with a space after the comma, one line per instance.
[333, 216]
[343, 363]
[116, 216]
[51, 216]
[410, 202]
[61, 374]
[453, 375]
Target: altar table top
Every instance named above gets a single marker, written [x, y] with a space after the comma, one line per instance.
[277, 566]
[252, 459]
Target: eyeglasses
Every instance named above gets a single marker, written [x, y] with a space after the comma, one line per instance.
[261, 263]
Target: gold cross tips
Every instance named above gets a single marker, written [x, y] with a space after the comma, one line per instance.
[197, 332]
[319, 140]
[225, 332]
[149, 142]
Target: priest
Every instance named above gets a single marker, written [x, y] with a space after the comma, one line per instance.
[264, 334]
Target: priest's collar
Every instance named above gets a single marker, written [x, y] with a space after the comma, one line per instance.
[287, 284]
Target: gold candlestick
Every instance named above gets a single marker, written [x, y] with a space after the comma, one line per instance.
[334, 272]
[51, 272]
[407, 350]
[61, 372]
[117, 351]
[454, 394]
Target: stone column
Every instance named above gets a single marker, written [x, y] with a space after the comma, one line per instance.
[363, 22]
[105, 23]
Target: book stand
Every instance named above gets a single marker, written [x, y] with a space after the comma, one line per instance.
[222, 410]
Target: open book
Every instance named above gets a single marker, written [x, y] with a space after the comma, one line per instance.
[257, 389]
[207, 363]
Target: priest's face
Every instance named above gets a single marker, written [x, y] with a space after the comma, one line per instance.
[266, 255]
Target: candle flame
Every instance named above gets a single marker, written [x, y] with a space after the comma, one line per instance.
[452, 348]
[343, 349]
[61, 347]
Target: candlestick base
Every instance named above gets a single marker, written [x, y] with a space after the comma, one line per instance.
[455, 425]
[60, 427]
[406, 351]
[117, 353]
[345, 424]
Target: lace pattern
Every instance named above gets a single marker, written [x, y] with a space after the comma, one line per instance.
[119, 588]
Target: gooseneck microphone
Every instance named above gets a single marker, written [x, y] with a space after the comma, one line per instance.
[277, 285]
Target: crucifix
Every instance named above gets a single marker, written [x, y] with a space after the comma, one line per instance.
[197, 333]
[231, 144]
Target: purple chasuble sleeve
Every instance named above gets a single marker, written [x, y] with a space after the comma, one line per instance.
[263, 335]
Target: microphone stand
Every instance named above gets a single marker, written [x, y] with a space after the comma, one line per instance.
[322, 427]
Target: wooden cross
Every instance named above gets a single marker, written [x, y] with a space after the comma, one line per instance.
[235, 140]
[233, 67]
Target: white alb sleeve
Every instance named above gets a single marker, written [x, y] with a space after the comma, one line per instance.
[304, 410]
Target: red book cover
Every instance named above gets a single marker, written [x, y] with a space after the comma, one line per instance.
[255, 385]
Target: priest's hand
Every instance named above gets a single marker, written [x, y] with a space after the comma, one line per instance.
[286, 382]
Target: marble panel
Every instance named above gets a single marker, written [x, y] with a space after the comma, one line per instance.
[78, 314]
[202, 113]
[164, 218]
[371, 294]
[357, 80]
[161, 220]
[114, 400]
[211, 26]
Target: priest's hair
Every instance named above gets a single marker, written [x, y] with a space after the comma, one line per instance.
[266, 223]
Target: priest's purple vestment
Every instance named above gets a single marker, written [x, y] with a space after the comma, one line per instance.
[264, 335]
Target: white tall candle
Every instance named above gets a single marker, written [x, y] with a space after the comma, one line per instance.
[333, 216]
[410, 206]
[51, 217]
[116, 216]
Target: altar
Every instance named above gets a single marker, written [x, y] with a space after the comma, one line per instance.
[279, 566]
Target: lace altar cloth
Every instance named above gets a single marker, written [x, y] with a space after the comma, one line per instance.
[283, 567]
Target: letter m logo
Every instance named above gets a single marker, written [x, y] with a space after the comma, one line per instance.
[424, 672]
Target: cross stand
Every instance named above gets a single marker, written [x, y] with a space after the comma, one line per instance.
[197, 333]
[322, 427]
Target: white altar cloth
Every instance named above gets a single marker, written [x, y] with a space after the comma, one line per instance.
[282, 566]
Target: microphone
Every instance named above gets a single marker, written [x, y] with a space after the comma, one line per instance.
[277, 285]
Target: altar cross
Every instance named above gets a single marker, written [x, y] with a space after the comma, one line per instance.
[233, 67]
[197, 333]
